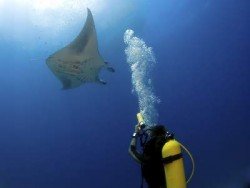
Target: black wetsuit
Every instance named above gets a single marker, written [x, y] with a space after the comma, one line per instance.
[150, 159]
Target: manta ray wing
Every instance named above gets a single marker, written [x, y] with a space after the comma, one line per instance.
[80, 61]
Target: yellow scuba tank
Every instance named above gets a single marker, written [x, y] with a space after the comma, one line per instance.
[173, 164]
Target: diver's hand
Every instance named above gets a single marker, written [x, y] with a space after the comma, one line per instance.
[137, 128]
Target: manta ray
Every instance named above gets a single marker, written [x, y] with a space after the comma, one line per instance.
[80, 61]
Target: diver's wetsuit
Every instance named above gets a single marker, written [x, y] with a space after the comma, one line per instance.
[150, 159]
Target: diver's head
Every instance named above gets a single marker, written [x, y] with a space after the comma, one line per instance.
[158, 130]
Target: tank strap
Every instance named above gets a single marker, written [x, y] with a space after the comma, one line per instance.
[171, 158]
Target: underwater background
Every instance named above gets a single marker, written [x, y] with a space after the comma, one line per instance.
[50, 138]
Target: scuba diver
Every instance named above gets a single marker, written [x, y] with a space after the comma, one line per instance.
[160, 156]
[150, 157]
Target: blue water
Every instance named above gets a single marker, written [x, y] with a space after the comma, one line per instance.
[51, 138]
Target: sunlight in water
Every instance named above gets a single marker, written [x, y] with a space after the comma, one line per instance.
[45, 13]
[141, 59]
[42, 5]
[62, 11]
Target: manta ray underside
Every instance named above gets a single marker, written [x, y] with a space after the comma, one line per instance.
[80, 61]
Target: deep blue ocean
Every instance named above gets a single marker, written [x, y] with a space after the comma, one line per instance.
[53, 138]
